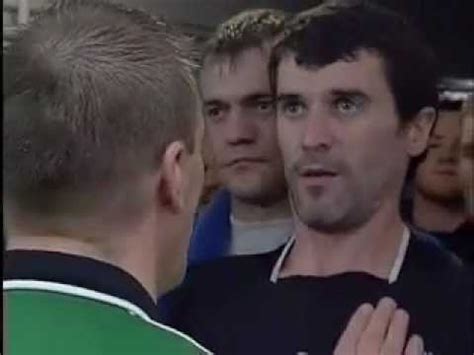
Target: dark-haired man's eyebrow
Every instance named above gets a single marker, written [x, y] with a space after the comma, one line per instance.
[355, 93]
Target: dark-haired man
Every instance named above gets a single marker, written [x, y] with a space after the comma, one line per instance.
[348, 125]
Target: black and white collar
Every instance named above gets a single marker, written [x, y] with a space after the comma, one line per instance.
[82, 277]
[42, 268]
[394, 273]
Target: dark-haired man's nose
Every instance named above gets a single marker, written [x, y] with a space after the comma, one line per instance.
[318, 134]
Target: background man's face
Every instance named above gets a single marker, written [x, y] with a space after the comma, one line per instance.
[437, 176]
[339, 133]
[241, 128]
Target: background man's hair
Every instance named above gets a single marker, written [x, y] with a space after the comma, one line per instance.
[338, 30]
[247, 29]
[93, 94]
[450, 105]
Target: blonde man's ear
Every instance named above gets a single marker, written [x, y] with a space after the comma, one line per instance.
[418, 131]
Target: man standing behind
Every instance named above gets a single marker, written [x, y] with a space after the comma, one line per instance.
[102, 174]
[251, 214]
[351, 113]
[438, 203]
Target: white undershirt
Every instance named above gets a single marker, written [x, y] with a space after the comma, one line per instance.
[394, 272]
[250, 238]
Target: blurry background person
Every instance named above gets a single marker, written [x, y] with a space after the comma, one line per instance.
[439, 206]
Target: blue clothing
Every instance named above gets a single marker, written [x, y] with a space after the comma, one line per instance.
[212, 231]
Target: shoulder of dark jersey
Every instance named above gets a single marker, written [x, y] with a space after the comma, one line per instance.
[213, 278]
[427, 255]
[236, 266]
[439, 277]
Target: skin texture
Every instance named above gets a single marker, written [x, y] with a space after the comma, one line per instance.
[379, 330]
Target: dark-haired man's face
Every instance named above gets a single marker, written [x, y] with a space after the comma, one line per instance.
[437, 176]
[240, 122]
[345, 154]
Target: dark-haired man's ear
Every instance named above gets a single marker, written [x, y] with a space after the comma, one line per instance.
[418, 131]
[171, 184]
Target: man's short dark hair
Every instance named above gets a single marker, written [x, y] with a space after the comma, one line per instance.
[338, 30]
[93, 94]
[247, 29]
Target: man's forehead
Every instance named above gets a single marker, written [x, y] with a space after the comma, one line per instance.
[468, 122]
[448, 122]
[450, 115]
[364, 73]
[232, 80]
[231, 62]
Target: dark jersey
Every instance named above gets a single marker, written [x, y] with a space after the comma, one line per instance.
[460, 242]
[232, 307]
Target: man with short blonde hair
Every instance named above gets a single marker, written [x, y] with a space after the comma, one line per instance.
[102, 175]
